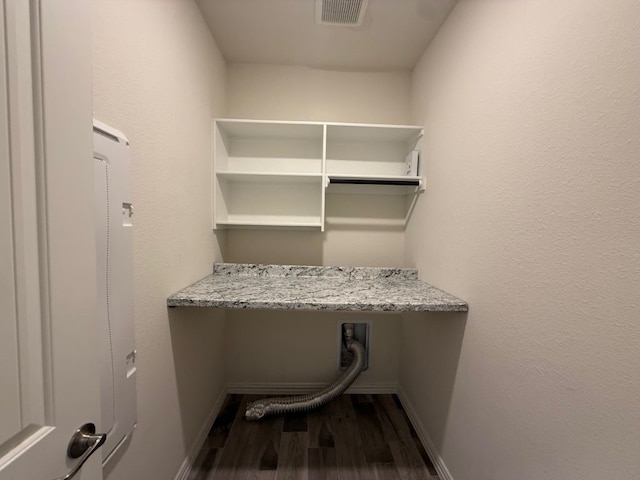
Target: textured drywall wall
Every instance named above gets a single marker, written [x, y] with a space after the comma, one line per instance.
[532, 114]
[158, 77]
[272, 92]
[298, 93]
[280, 92]
[286, 347]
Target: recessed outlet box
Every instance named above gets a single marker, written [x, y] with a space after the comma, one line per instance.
[361, 333]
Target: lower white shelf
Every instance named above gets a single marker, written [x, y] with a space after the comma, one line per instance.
[268, 200]
[270, 223]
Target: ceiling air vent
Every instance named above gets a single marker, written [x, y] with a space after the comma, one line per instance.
[341, 13]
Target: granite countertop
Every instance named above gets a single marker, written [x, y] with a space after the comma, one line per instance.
[294, 287]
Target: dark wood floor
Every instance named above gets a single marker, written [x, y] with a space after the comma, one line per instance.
[355, 437]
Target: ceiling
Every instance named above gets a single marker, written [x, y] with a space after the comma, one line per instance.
[393, 36]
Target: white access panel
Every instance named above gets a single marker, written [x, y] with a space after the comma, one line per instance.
[114, 250]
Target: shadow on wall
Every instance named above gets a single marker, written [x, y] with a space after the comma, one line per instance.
[294, 348]
[284, 247]
[360, 246]
[431, 345]
[197, 336]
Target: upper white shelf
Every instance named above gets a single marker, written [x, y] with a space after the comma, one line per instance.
[358, 132]
[270, 129]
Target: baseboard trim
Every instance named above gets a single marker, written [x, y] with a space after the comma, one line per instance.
[187, 464]
[434, 455]
[302, 388]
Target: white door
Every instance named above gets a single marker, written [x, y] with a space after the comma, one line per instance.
[49, 384]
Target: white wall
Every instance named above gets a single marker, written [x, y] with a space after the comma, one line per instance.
[272, 92]
[532, 112]
[158, 77]
[299, 93]
[279, 92]
[282, 348]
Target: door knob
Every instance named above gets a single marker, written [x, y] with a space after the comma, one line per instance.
[82, 445]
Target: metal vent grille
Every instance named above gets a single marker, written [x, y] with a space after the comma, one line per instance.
[345, 13]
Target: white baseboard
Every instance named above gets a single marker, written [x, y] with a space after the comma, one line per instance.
[302, 388]
[187, 464]
[434, 455]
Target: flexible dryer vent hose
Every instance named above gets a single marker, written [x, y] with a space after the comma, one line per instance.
[301, 403]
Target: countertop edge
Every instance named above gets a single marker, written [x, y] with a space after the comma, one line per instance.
[389, 308]
[199, 294]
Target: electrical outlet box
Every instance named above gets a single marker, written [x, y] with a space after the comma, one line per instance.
[361, 333]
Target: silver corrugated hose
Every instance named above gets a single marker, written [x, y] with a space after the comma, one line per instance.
[301, 403]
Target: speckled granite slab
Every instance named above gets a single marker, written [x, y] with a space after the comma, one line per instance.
[352, 273]
[291, 287]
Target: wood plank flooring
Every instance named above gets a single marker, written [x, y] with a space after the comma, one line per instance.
[355, 437]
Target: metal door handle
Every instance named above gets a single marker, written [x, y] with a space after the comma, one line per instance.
[82, 445]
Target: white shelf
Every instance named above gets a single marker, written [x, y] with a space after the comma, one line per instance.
[260, 177]
[275, 174]
[358, 132]
[260, 146]
[269, 129]
[369, 149]
[276, 223]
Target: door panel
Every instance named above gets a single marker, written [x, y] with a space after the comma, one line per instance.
[10, 393]
[46, 197]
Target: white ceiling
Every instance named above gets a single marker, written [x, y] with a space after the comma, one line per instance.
[394, 35]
